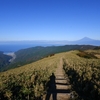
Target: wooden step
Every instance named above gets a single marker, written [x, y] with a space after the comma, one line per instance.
[67, 87]
[61, 81]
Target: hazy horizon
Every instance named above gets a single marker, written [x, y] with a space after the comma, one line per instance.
[44, 40]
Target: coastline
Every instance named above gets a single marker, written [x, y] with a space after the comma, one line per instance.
[12, 54]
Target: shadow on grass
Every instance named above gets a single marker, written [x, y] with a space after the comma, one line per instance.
[85, 88]
[51, 88]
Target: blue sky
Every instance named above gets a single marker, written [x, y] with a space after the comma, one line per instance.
[49, 19]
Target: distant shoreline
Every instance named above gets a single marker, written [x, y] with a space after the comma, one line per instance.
[12, 54]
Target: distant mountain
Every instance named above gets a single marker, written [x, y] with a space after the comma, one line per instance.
[86, 41]
[13, 46]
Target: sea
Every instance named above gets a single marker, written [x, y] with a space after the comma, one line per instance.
[8, 48]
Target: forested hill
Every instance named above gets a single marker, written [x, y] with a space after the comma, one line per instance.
[29, 55]
[4, 60]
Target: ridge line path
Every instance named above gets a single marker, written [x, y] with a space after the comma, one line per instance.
[62, 84]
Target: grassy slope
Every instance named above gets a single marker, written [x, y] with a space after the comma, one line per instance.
[46, 66]
[29, 55]
[48, 62]
[51, 62]
[84, 75]
[31, 79]
[35, 53]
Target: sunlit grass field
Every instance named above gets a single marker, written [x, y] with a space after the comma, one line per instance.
[29, 82]
[84, 75]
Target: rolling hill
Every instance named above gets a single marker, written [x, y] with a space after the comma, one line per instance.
[29, 55]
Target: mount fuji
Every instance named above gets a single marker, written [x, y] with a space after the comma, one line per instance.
[86, 41]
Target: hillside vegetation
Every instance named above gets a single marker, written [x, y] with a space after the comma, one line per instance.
[84, 75]
[4, 60]
[87, 55]
[29, 82]
[33, 54]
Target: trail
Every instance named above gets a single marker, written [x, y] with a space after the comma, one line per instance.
[60, 90]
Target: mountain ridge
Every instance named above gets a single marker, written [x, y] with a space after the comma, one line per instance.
[25, 56]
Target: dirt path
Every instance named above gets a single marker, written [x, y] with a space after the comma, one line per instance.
[60, 87]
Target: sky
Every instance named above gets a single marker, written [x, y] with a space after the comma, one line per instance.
[49, 19]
